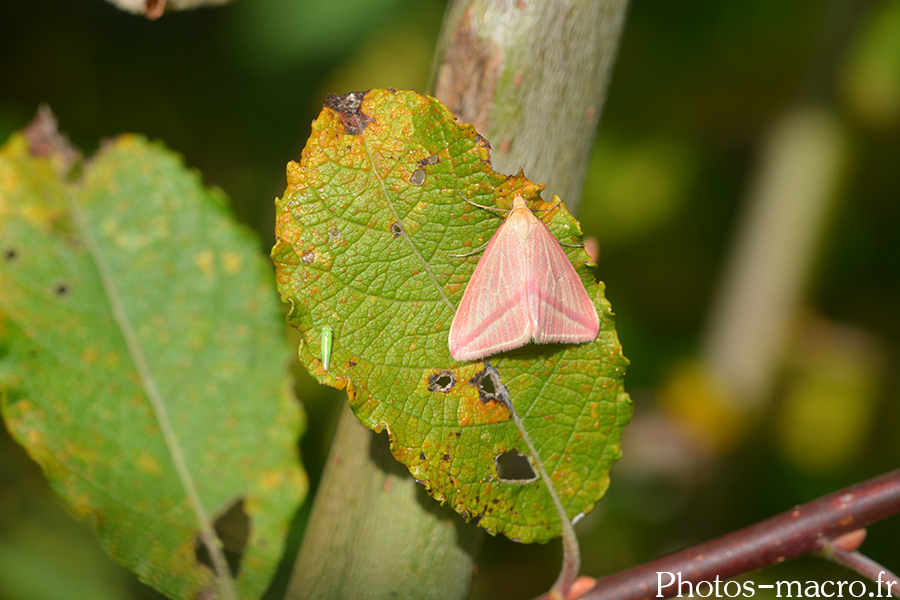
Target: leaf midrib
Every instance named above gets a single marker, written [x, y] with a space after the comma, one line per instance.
[148, 383]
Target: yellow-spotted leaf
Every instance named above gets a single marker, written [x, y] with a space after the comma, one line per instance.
[142, 363]
[369, 232]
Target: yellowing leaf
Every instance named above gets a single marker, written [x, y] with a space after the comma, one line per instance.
[142, 362]
[367, 231]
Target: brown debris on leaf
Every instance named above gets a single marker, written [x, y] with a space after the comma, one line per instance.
[347, 106]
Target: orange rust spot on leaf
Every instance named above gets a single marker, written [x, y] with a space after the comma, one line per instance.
[232, 262]
[147, 463]
[472, 411]
[89, 355]
[271, 479]
[34, 438]
[205, 261]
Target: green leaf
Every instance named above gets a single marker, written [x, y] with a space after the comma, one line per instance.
[366, 231]
[142, 361]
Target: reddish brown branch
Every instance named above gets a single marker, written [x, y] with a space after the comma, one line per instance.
[803, 530]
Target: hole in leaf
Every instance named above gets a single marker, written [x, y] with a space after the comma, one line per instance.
[334, 232]
[490, 387]
[487, 391]
[442, 382]
[11, 254]
[396, 229]
[418, 177]
[514, 466]
[308, 258]
[232, 528]
[62, 289]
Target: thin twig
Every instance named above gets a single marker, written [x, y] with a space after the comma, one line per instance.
[866, 567]
[801, 530]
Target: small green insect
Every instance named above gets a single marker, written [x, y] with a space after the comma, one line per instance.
[327, 335]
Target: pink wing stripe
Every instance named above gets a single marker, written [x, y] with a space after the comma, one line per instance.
[524, 288]
[561, 306]
[493, 315]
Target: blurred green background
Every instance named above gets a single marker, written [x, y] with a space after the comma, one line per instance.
[703, 94]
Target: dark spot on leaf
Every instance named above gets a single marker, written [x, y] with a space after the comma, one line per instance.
[308, 258]
[10, 254]
[442, 382]
[418, 177]
[348, 107]
[351, 363]
[514, 466]
[445, 457]
[482, 142]
[397, 228]
[421, 456]
[476, 519]
[233, 529]
[62, 289]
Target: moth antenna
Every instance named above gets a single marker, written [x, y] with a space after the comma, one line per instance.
[494, 208]
[475, 251]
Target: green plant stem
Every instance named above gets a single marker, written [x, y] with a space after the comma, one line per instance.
[532, 78]
[375, 533]
[787, 213]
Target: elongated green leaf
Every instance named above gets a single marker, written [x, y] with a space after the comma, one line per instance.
[367, 230]
[142, 363]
